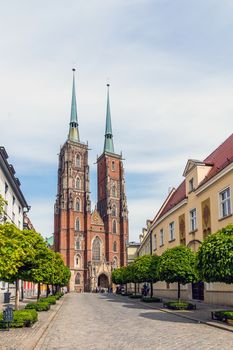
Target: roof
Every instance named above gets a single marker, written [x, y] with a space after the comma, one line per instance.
[219, 159]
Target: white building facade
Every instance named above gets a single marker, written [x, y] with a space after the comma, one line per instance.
[16, 204]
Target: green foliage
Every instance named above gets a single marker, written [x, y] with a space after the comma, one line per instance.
[2, 203]
[215, 257]
[39, 306]
[22, 318]
[58, 295]
[145, 269]
[151, 300]
[175, 305]
[51, 300]
[223, 315]
[120, 275]
[178, 265]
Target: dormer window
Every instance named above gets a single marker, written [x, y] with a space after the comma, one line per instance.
[191, 185]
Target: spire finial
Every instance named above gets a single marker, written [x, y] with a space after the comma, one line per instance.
[108, 143]
[73, 132]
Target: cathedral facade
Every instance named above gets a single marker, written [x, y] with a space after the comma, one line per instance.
[92, 243]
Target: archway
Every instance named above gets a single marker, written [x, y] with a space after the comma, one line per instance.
[103, 281]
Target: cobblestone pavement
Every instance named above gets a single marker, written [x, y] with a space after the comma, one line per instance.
[95, 321]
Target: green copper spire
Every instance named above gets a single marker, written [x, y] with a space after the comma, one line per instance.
[108, 143]
[73, 132]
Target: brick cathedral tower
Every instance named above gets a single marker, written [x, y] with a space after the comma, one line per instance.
[92, 243]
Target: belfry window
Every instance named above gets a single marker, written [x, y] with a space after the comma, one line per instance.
[115, 246]
[77, 225]
[114, 193]
[114, 226]
[77, 260]
[96, 247]
[78, 183]
[114, 210]
[78, 161]
[77, 244]
[78, 204]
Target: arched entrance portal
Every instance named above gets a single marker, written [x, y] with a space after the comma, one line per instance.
[103, 281]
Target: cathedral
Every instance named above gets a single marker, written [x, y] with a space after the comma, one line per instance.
[92, 243]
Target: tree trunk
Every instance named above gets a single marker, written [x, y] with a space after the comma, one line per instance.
[47, 291]
[17, 294]
[135, 288]
[38, 291]
[178, 291]
[151, 289]
[22, 291]
[126, 288]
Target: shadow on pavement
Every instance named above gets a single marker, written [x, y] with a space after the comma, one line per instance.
[164, 316]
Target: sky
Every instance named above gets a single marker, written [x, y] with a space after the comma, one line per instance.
[170, 67]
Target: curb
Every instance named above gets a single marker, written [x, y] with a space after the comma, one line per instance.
[31, 345]
[208, 323]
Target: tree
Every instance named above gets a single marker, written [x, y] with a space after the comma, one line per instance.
[145, 269]
[2, 203]
[215, 257]
[178, 265]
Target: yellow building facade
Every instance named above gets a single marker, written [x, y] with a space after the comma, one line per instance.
[201, 205]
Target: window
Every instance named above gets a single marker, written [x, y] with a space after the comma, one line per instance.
[6, 188]
[172, 231]
[113, 166]
[19, 224]
[114, 226]
[225, 202]
[191, 185]
[114, 190]
[77, 225]
[155, 242]
[77, 244]
[78, 183]
[78, 161]
[13, 200]
[78, 279]
[78, 204]
[13, 217]
[77, 260]
[19, 210]
[96, 245]
[115, 246]
[114, 210]
[115, 262]
[193, 220]
[161, 237]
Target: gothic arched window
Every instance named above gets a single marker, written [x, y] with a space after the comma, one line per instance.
[78, 279]
[78, 161]
[78, 204]
[114, 210]
[96, 248]
[78, 183]
[77, 225]
[114, 226]
[77, 260]
[114, 246]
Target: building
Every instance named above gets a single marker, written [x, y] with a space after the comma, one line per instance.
[132, 251]
[16, 204]
[201, 205]
[92, 243]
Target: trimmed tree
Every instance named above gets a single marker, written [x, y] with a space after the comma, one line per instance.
[215, 257]
[145, 269]
[178, 265]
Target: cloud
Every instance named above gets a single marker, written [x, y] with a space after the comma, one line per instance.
[170, 70]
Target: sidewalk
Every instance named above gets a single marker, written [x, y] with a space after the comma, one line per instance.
[201, 315]
[27, 338]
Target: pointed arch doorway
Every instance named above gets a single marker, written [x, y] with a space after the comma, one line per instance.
[103, 281]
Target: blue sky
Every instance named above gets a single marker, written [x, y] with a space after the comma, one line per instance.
[171, 73]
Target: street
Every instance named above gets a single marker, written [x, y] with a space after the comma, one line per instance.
[97, 321]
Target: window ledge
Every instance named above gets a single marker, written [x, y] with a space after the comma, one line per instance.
[161, 245]
[171, 240]
[192, 232]
[225, 217]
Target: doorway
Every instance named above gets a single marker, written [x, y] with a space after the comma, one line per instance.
[103, 281]
[198, 291]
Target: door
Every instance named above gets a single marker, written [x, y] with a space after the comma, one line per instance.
[198, 290]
